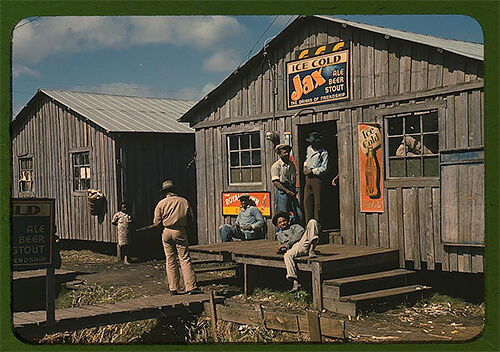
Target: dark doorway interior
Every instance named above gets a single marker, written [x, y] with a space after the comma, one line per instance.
[330, 212]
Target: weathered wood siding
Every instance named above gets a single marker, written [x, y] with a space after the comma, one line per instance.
[386, 74]
[49, 135]
[144, 161]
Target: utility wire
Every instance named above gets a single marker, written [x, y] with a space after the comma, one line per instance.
[258, 40]
[25, 23]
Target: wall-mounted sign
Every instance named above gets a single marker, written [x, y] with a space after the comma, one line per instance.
[32, 233]
[231, 204]
[318, 80]
[370, 170]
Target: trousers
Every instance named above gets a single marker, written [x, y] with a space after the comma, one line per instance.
[312, 198]
[311, 235]
[227, 233]
[288, 204]
[175, 246]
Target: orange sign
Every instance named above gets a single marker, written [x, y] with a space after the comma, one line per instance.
[370, 170]
[231, 204]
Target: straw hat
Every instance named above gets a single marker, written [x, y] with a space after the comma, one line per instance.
[167, 185]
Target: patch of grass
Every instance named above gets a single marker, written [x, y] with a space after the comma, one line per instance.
[92, 295]
[87, 257]
[300, 298]
[453, 303]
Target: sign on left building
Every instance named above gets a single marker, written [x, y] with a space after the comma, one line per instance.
[33, 233]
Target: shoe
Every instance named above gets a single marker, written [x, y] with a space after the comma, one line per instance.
[174, 293]
[296, 287]
[195, 291]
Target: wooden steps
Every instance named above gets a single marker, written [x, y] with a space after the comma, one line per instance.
[372, 291]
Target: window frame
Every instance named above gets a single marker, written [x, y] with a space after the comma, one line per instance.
[228, 136]
[73, 166]
[19, 160]
[383, 113]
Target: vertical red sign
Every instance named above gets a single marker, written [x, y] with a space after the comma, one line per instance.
[370, 168]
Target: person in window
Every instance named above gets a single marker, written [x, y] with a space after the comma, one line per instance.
[249, 223]
[294, 241]
[283, 177]
[174, 213]
[412, 146]
[122, 220]
[315, 166]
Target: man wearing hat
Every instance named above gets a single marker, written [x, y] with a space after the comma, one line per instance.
[174, 213]
[294, 241]
[249, 222]
[284, 176]
[315, 166]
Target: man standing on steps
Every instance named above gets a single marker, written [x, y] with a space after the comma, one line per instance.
[315, 166]
[174, 213]
[283, 177]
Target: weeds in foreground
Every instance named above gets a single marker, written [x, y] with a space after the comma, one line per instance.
[300, 298]
[92, 295]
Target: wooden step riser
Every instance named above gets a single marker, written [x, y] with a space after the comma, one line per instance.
[379, 304]
[361, 265]
[335, 292]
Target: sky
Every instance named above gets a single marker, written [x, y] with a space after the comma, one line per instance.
[175, 57]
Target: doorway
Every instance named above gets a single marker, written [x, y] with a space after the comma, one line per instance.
[330, 208]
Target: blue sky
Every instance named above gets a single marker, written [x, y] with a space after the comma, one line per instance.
[169, 57]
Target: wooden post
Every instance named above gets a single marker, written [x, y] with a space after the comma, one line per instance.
[316, 286]
[314, 326]
[213, 314]
[50, 297]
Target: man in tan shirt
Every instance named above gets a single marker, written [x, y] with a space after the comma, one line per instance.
[174, 213]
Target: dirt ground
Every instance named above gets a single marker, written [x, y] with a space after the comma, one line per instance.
[431, 321]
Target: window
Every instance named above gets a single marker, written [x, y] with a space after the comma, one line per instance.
[244, 158]
[81, 171]
[26, 175]
[413, 142]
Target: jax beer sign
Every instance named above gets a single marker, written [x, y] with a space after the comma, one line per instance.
[318, 79]
[370, 170]
[231, 204]
[32, 233]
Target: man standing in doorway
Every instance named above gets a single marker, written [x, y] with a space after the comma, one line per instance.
[175, 213]
[315, 166]
[283, 177]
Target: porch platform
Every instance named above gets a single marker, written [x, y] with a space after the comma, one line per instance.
[333, 261]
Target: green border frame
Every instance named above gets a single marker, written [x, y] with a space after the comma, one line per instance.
[486, 12]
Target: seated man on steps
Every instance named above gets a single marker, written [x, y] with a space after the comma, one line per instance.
[249, 223]
[295, 241]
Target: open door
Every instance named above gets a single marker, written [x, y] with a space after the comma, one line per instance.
[330, 210]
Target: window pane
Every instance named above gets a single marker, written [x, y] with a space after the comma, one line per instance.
[395, 126]
[235, 159]
[255, 140]
[413, 146]
[430, 122]
[235, 176]
[431, 167]
[397, 167]
[431, 144]
[256, 157]
[412, 124]
[394, 144]
[245, 158]
[257, 175]
[245, 141]
[76, 173]
[233, 143]
[246, 175]
[85, 158]
[413, 168]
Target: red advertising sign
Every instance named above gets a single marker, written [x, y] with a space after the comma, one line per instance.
[231, 204]
[370, 168]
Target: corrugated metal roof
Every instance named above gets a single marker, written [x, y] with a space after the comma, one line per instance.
[468, 49]
[116, 113]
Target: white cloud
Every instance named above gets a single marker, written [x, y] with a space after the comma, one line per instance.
[222, 61]
[37, 40]
[18, 70]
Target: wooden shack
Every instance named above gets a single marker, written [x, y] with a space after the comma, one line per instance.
[408, 87]
[64, 143]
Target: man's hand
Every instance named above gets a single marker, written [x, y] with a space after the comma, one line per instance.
[308, 172]
[334, 180]
[246, 227]
[281, 249]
